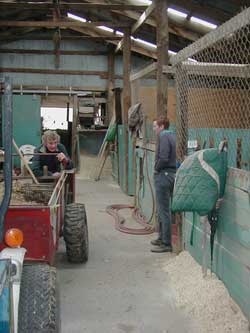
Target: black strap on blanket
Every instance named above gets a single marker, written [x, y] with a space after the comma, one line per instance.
[213, 221]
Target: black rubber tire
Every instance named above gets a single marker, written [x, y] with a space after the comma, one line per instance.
[75, 233]
[38, 309]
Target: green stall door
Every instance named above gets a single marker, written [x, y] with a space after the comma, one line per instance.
[26, 121]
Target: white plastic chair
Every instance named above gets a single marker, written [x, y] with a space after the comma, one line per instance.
[27, 151]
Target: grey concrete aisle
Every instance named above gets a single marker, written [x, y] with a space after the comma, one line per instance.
[122, 288]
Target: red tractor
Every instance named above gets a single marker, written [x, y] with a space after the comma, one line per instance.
[29, 239]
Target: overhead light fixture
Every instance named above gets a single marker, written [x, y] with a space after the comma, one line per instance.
[103, 27]
[171, 52]
[150, 44]
[203, 22]
[143, 2]
[119, 33]
[144, 42]
[177, 13]
[75, 17]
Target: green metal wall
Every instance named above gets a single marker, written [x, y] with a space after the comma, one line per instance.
[67, 62]
[114, 160]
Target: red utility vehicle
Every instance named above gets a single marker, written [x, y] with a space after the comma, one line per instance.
[29, 239]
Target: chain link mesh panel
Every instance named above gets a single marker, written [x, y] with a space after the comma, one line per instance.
[213, 91]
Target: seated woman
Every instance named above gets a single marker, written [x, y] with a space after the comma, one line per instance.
[54, 162]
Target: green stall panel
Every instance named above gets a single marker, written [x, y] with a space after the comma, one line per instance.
[232, 242]
[206, 136]
[26, 121]
[121, 154]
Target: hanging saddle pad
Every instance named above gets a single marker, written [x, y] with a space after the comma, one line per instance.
[111, 133]
[200, 181]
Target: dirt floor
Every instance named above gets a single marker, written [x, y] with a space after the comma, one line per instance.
[90, 167]
[124, 288]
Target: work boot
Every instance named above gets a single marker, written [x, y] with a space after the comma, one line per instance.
[157, 242]
[162, 248]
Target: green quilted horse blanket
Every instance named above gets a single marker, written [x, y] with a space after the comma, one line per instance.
[200, 181]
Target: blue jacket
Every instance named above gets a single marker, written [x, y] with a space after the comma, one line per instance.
[165, 156]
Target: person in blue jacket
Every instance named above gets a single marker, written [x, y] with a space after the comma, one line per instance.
[164, 177]
[54, 162]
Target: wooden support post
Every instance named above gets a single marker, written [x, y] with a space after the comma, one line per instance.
[181, 136]
[57, 40]
[126, 96]
[118, 106]
[118, 115]
[135, 88]
[74, 129]
[111, 71]
[181, 113]
[162, 56]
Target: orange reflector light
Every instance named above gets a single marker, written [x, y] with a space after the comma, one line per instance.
[14, 237]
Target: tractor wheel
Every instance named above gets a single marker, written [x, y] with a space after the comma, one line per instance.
[38, 304]
[75, 233]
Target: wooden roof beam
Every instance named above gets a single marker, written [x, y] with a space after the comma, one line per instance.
[139, 22]
[55, 24]
[143, 17]
[6, 39]
[57, 41]
[68, 6]
[94, 32]
[101, 74]
[144, 72]
[51, 52]
[174, 29]
[56, 10]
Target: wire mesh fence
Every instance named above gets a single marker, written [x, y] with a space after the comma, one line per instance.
[213, 91]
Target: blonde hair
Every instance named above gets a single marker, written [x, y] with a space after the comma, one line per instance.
[50, 136]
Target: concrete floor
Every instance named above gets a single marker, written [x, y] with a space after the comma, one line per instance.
[123, 287]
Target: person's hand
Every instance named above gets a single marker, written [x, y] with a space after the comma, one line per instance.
[56, 174]
[61, 157]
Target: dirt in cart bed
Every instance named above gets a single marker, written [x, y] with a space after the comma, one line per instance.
[19, 194]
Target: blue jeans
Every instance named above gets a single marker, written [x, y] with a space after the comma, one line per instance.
[164, 185]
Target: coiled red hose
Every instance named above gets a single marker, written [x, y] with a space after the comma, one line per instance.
[119, 220]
